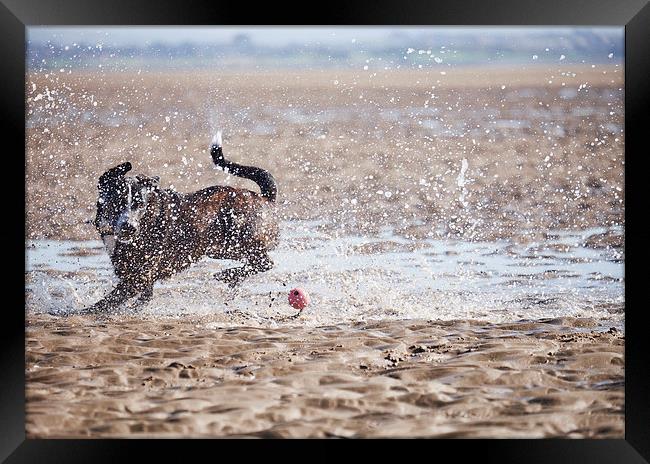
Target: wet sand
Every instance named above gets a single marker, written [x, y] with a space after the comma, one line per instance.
[139, 377]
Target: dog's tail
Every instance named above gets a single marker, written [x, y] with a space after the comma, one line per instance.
[260, 176]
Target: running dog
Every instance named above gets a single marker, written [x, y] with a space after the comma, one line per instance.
[152, 233]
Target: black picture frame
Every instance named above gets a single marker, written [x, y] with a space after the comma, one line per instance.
[16, 15]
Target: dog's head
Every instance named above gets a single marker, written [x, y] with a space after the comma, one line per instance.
[122, 202]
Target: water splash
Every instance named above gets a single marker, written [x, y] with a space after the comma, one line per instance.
[461, 182]
[354, 278]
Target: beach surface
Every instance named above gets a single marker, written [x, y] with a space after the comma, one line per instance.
[461, 234]
[137, 377]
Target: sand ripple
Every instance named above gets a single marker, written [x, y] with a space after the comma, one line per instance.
[117, 377]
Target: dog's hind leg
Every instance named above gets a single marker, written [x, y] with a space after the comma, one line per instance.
[254, 264]
[261, 262]
[233, 276]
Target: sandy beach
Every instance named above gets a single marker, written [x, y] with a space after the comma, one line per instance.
[133, 377]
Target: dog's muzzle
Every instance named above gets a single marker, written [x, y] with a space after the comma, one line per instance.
[124, 229]
[103, 231]
[127, 230]
[109, 243]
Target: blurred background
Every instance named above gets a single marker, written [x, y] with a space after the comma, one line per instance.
[478, 133]
[274, 47]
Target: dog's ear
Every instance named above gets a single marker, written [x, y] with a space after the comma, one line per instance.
[119, 170]
[114, 173]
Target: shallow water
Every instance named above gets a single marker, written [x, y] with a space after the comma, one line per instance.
[353, 278]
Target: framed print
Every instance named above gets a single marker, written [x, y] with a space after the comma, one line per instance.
[403, 222]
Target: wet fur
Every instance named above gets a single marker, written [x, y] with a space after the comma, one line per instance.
[176, 230]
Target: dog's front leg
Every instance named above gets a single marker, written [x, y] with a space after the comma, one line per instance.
[116, 297]
[146, 295]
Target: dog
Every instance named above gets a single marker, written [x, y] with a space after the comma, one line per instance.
[152, 233]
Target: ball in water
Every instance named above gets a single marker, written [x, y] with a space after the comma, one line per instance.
[298, 298]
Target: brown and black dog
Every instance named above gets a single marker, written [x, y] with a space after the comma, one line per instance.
[151, 233]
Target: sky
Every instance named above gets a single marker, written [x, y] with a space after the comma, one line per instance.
[275, 36]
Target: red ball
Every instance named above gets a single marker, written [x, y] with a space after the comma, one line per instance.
[298, 298]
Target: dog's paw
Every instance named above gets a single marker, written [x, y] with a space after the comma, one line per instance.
[100, 307]
[227, 275]
[143, 300]
[89, 310]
